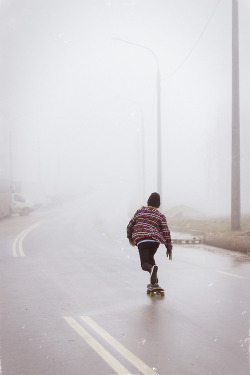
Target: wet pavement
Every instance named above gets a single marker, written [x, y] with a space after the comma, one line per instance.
[74, 301]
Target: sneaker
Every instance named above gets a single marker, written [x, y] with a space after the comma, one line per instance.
[153, 275]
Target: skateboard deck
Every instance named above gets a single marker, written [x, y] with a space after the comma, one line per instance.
[152, 290]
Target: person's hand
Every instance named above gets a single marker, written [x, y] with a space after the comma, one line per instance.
[132, 243]
[169, 254]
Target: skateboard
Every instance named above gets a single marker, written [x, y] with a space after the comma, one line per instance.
[155, 289]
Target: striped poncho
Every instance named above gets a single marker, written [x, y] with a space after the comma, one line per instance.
[149, 222]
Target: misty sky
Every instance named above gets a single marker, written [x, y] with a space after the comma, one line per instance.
[74, 100]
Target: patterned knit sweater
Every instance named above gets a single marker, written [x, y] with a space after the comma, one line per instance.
[149, 222]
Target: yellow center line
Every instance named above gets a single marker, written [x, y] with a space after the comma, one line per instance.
[20, 245]
[103, 353]
[18, 242]
[231, 274]
[14, 247]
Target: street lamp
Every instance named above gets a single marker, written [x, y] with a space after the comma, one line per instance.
[158, 93]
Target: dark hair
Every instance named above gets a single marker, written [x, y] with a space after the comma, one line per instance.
[154, 200]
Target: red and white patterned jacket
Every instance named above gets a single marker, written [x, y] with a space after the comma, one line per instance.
[149, 222]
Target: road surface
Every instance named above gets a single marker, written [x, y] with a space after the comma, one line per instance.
[73, 301]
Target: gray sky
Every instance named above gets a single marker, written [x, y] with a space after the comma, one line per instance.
[75, 100]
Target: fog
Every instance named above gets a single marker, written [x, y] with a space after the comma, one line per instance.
[77, 104]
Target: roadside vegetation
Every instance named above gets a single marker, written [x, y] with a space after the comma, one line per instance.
[208, 224]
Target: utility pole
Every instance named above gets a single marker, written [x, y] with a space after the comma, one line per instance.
[235, 174]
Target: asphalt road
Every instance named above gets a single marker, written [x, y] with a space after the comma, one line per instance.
[73, 301]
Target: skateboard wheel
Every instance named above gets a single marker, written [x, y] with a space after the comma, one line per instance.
[162, 294]
[148, 291]
[151, 294]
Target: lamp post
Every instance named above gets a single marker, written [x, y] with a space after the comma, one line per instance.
[158, 93]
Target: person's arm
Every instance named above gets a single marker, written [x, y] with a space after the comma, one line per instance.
[167, 238]
[130, 231]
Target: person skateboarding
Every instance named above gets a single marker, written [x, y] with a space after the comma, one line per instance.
[147, 230]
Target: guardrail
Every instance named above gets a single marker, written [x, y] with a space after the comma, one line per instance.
[189, 241]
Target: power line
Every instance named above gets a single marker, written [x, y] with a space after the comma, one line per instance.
[196, 43]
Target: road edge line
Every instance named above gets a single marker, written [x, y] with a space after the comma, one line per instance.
[231, 274]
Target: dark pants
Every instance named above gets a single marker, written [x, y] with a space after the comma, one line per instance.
[147, 251]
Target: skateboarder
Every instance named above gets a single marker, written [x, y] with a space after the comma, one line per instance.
[146, 230]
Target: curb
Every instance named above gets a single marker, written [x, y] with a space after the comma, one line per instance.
[229, 243]
[235, 242]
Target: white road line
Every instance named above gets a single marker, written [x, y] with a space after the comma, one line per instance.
[140, 365]
[106, 356]
[231, 274]
[19, 240]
